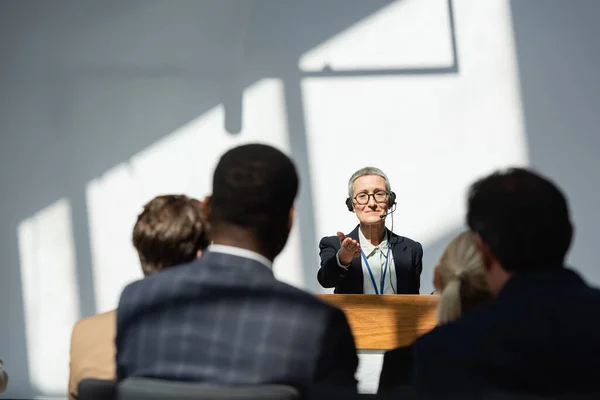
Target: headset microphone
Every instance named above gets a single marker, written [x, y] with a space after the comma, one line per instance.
[388, 213]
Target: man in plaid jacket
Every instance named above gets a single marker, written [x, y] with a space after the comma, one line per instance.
[224, 318]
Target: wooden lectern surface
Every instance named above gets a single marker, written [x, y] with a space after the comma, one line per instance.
[388, 321]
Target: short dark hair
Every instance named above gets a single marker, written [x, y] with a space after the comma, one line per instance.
[522, 217]
[254, 187]
[169, 231]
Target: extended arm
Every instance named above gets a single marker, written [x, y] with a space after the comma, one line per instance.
[331, 272]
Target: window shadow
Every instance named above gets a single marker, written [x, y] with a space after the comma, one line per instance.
[86, 85]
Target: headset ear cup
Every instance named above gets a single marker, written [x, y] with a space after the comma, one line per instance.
[349, 204]
[392, 199]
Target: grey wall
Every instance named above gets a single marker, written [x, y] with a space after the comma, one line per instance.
[558, 52]
[85, 85]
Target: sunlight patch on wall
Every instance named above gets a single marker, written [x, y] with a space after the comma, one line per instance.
[112, 202]
[182, 162]
[433, 134]
[50, 293]
[405, 34]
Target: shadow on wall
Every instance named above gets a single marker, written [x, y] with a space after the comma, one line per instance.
[558, 54]
[431, 255]
[86, 85]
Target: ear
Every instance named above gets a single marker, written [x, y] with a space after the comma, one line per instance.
[487, 258]
[436, 279]
[198, 253]
[291, 218]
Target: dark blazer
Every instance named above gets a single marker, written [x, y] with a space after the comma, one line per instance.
[397, 369]
[225, 319]
[541, 335]
[408, 263]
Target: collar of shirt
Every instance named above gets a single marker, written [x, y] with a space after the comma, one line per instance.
[368, 248]
[237, 251]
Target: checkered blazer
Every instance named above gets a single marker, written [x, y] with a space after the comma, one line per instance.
[225, 319]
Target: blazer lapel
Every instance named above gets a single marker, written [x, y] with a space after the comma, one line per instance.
[356, 270]
[394, 239]
[397, 249]
[354, 234]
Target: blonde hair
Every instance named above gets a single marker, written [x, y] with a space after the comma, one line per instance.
[461, 278]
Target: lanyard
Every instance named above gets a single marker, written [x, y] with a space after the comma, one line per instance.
[387, 257]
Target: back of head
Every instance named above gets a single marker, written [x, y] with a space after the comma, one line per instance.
[461, 278]
[522, 217]
[254, 187]
[170, 231]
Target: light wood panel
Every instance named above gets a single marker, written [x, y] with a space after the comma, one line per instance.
[388, 321]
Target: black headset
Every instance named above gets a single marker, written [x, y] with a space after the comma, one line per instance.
[391, 201]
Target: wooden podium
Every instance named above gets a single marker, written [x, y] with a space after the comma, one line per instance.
[388, 321]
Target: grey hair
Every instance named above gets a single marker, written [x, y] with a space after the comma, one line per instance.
[368, 171]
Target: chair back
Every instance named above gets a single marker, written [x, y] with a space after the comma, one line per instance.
[157, 389]
[96, 389]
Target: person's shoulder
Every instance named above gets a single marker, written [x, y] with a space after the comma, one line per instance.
[581, 285]
[158, 279]
[465, 329]
[297, 304]
[329, 241]
[580, 297]
[92, 322]
[311, 300]
[131, 288]
[405, 240]
[90, 329]
[131, 294]
[328, 244]
[434, 344]
[431, 338]
[594, 293]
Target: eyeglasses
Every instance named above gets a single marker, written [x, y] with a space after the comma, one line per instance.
[363, 198]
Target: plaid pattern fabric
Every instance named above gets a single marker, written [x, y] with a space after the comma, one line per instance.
[222, 319]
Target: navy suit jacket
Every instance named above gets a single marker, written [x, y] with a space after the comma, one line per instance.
[225, 319]
[408, 263]
[541, 335]
[397, 369]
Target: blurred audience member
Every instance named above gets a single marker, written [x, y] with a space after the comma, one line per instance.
[171, 230]
[225, 318]
[459, 278]
[3, 377]
[539, 335]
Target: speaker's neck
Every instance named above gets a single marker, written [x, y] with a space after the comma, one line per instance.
[374, 233]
